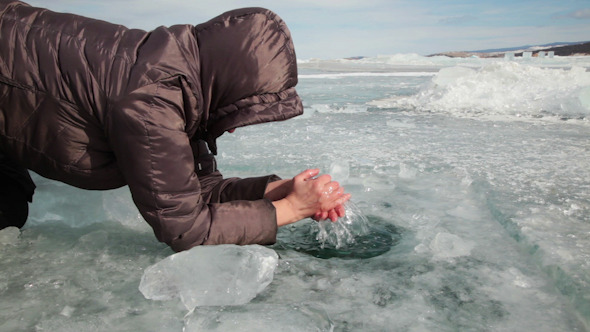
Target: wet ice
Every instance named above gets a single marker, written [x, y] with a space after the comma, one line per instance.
[9, 236]
[260, 318]
[477, 220]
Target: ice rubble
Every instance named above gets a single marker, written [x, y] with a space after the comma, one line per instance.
[501, 89]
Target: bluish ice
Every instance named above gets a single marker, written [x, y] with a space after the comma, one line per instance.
[470, 212]
[211, 275]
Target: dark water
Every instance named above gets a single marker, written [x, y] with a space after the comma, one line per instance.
[377, 240]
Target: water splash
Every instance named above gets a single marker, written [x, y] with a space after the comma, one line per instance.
[345, 230]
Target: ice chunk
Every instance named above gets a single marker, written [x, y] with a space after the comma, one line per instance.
[67, 311]
[445, 246]
[340, 170]
[519, 279]
[400, 124]
[449, 76]
[9, 236]
[407, 172]
[260, 318]
[211, 275]
[466, 210]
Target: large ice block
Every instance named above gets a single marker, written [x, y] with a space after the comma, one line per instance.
[211, 275]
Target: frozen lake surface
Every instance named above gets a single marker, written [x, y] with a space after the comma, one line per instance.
[473, 177]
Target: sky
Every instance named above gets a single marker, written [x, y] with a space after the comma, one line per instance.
[330, 29]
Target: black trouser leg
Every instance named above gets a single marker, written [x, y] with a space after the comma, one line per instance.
[16, 190]
[14, 207]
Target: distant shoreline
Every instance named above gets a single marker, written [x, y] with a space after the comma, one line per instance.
[582, 49]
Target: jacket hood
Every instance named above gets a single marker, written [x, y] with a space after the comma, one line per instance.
[248, 71]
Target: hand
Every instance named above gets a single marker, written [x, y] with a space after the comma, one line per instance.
[311, 196]
[333, 214]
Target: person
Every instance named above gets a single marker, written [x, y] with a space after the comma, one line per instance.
[99, 106]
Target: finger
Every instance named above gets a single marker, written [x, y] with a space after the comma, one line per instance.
[341, 211]
[333, 215]
[335, 201]
[344, 198]
[307, 174]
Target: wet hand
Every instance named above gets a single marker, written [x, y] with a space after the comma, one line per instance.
[311, 196]
[318, 196]
[333, 214]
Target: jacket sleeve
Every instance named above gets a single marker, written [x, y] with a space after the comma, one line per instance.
[146, 130]
[216, 189]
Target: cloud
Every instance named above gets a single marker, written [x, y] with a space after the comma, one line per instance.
[457, 20]
[341, 28]
[582, 14]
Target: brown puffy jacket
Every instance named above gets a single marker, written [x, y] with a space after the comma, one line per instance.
[98, 106]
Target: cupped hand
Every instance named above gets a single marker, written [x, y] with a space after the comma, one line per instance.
[317, 196]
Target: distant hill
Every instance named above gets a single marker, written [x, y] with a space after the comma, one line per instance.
[528, 47]
[559, 48]
[574, 49]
